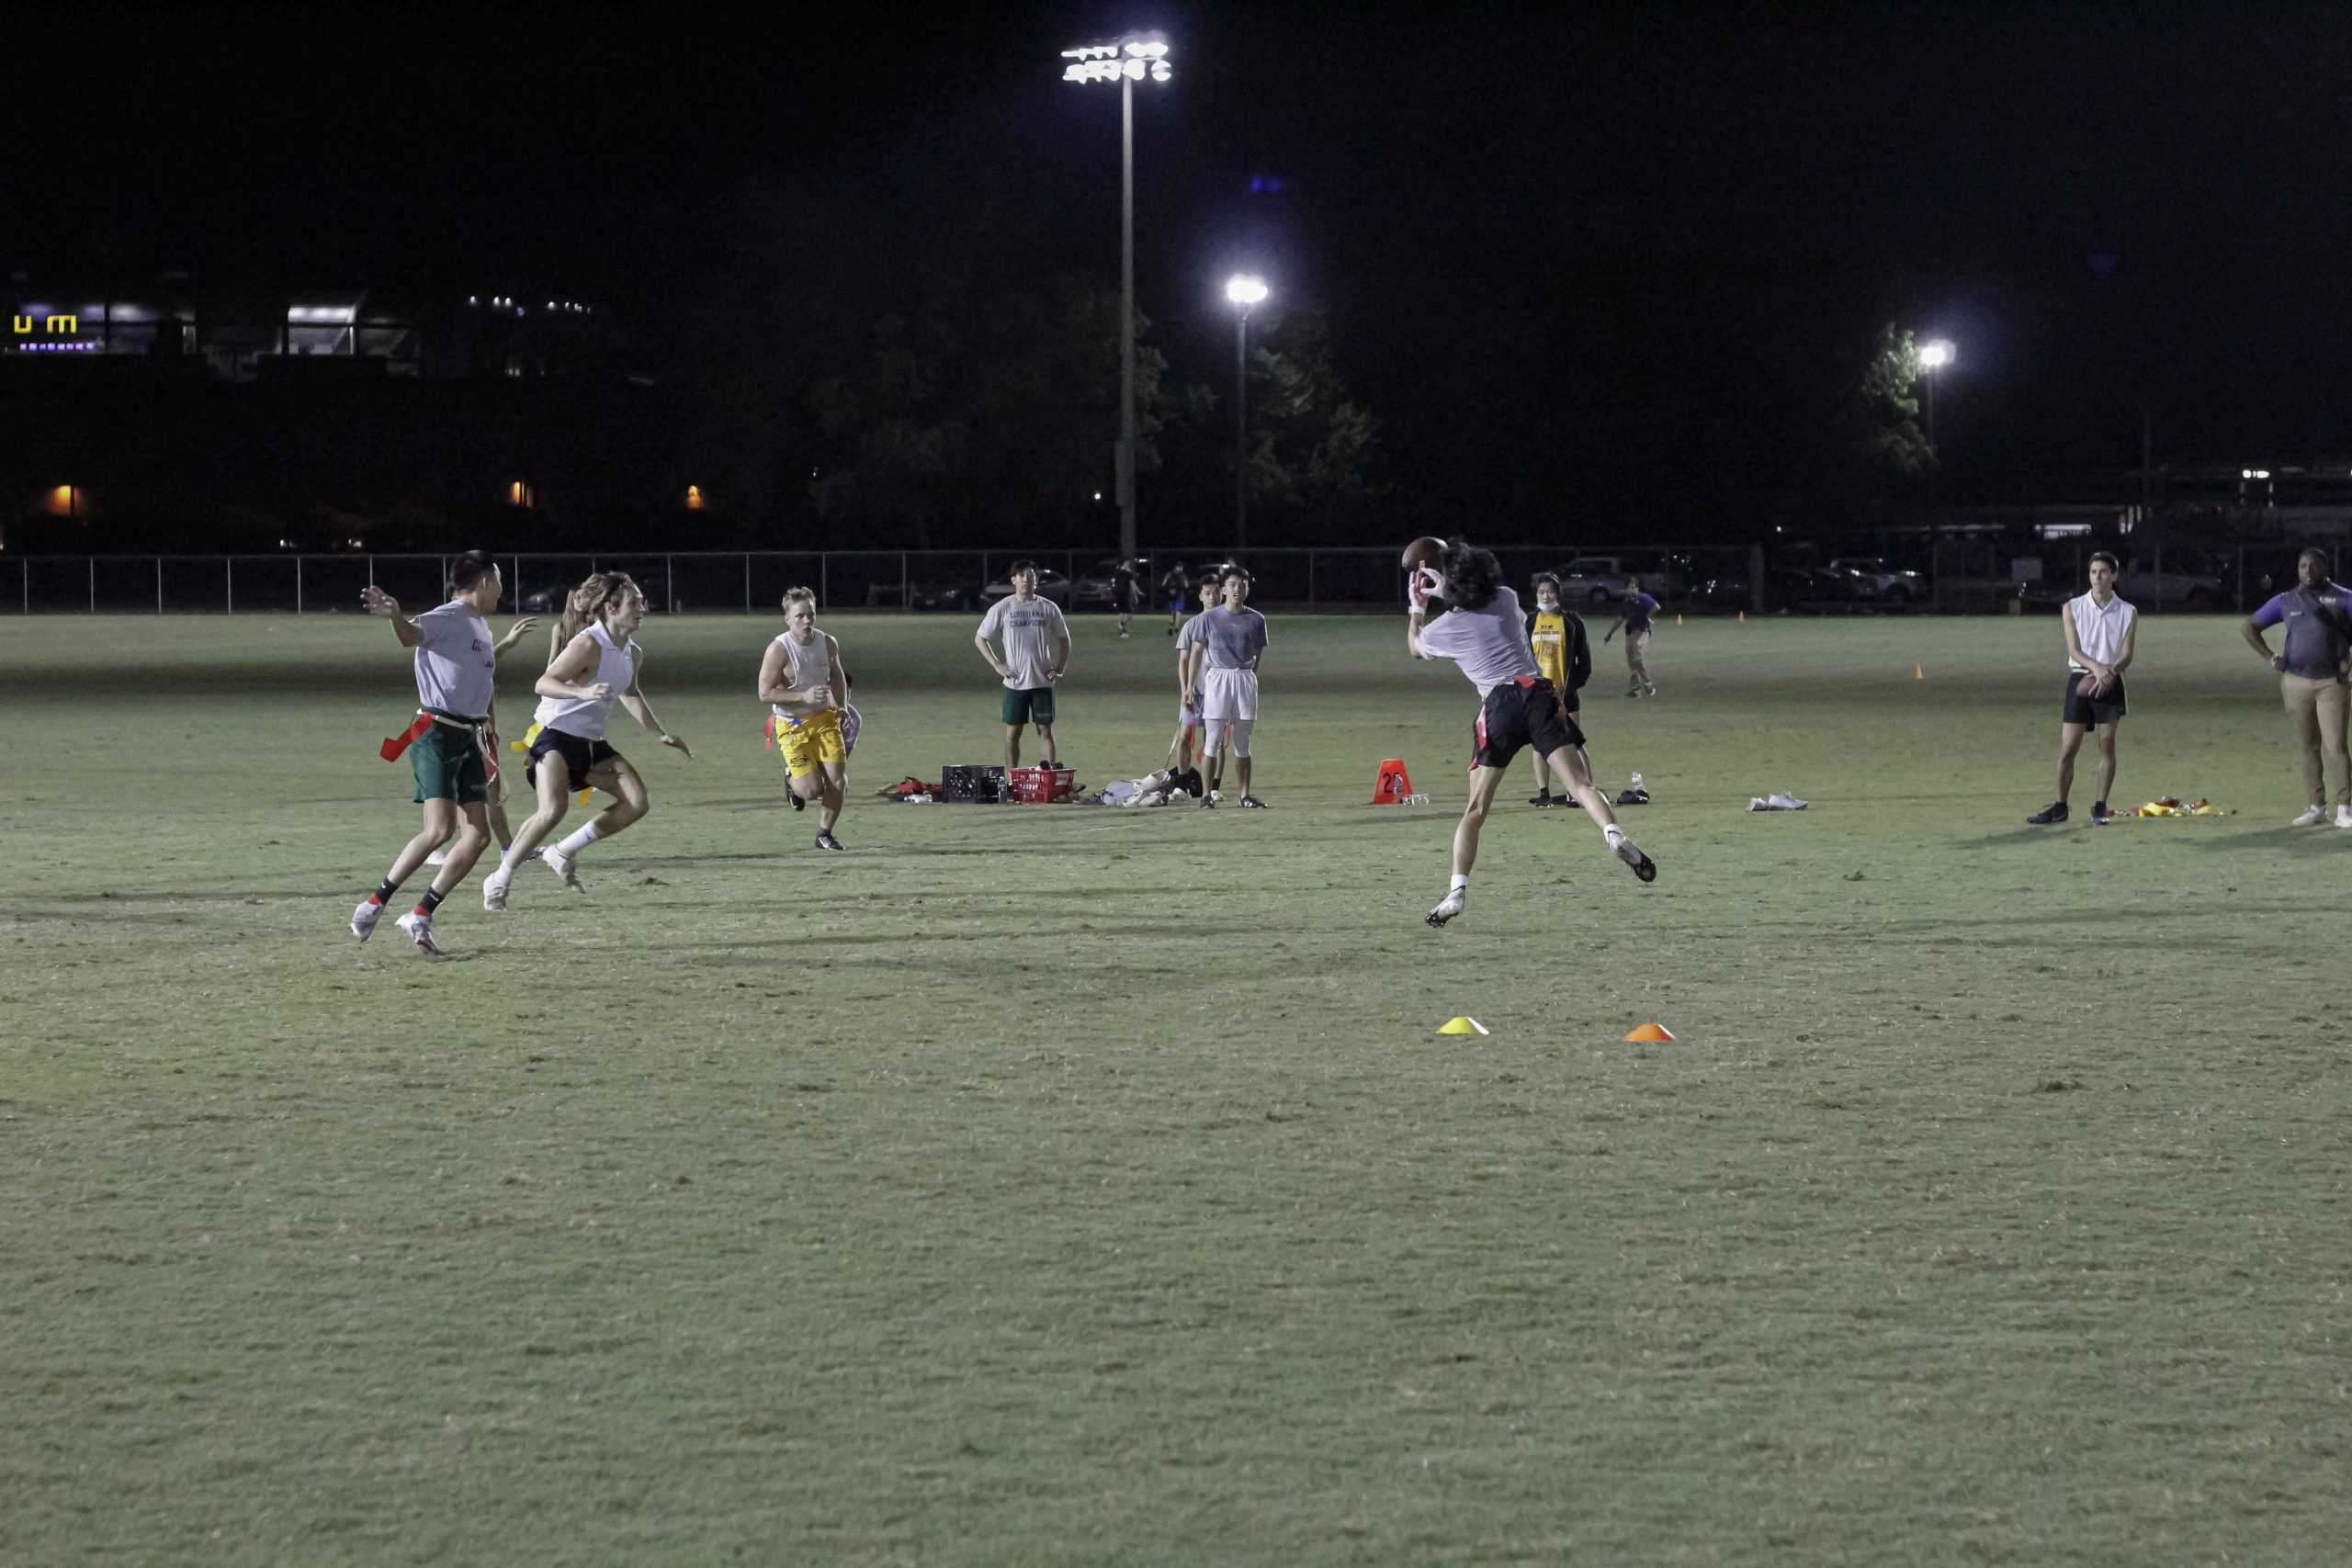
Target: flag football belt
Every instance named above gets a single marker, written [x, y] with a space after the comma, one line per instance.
[396, 745]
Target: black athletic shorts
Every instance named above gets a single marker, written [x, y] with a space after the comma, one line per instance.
[2080, 709]
[1523, 713]
[579, 754]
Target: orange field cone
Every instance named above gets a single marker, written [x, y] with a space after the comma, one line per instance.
[1918, 671]
[1462, 1026]
[1392, 783]
[1649, 1034]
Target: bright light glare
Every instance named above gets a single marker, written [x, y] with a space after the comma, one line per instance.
[1133, 59]
[1243, 289]
[1935, 355]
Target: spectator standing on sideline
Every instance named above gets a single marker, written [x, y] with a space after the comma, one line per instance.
[1126, 592]
[1175, 583]
[1228, 642]
[1037, 652]
[1563, 657]
[2102, 636]
[2317, 614]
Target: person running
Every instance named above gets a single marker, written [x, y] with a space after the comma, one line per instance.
[456, 670]
[2317, 614]
[2102, 636]
[601, 667]
[1634, 615]
[1228, 641]
[1564, 657]
[1483, 632]
[1037, 654]
[501, 831]
[1175, 585]
[802, 682]
[1126, 592]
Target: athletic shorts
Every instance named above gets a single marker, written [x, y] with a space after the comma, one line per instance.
[1525, 711]
[2080, 709]
[449, 765]
[1031, 704]
[1228, 694]
[578, 753]
[809, 741]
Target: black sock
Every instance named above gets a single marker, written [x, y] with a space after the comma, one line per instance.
[430, 902]
[385, 890]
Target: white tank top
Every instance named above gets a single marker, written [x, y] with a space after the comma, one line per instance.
[805, 665]
[616, 667]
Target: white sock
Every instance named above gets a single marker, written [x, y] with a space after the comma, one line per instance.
[1614, 834]
[1460, 883]
[579, 841]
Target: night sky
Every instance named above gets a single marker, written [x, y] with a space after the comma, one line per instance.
[1611, 265]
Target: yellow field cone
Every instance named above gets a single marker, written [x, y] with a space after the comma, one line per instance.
[1462, 1026]
[1918, 671]
[1677, 620]
[1649, 1034]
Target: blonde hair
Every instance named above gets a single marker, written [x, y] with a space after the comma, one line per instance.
[575, 620]
[792, 593]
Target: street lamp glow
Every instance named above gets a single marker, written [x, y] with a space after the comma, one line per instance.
[1246, 291]
[1935, 355]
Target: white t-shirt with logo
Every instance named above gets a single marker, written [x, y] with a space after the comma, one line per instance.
[456, 664]
[1028, 630]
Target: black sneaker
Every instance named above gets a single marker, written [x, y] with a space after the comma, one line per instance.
[1251, 802]
[2099, 814]
[1540, 800]
[827, 841]
[1191, 783]
[794, 795]
[2055, 812]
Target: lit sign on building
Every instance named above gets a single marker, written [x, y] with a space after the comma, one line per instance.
[38, 329]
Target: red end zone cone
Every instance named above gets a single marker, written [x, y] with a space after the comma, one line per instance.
[1392, 783]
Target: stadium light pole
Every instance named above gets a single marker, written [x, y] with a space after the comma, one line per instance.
[1126, 61]
[1934, 355]
[1245, 291]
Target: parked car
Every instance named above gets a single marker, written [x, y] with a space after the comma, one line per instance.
[1876, 579]
[1811, 588]
[1051, 584]
[1600, 580]
[1094, 586]
[949, 592]
[2171, 589]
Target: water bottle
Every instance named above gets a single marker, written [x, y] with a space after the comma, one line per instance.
[1637, 780]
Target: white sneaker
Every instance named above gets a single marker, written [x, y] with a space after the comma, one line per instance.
[363, 918]
[1449, 907]
[438, 857]
[493, 891]
[419, 930]
[2314, 816]
[566, 866]
[2343, 816]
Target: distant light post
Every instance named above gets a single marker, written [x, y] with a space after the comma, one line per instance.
[1246, 292]
[1934, 355]
[1127, 62]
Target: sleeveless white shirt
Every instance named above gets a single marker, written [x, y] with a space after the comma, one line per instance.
[616, 667]
[805, 665]
[2101, 633]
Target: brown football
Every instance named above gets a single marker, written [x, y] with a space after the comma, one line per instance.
[1424, 551]
[2087, 686]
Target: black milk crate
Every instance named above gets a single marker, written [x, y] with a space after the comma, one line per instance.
[972, 785]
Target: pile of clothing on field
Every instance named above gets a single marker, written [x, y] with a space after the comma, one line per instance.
[1165, 787]
[2173, 805]
[1778, 800]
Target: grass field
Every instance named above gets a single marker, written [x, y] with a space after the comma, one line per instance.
[1063, 1185]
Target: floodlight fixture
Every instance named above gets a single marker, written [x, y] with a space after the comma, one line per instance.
[1935, 353]
[1245, 291]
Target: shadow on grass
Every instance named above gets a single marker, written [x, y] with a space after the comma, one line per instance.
[2328, 841]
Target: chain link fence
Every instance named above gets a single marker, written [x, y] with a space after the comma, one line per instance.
[1953, 575]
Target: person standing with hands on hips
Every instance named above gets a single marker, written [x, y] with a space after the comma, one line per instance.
[2317, 614]
[1037, 655]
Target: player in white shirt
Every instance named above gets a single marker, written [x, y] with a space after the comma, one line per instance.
[1037, 655]
[802, 682]
[1483, 631]
[601, 667]
[456, 667]
[2102, 639]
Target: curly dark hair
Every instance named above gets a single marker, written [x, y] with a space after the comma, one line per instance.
[1473, 574]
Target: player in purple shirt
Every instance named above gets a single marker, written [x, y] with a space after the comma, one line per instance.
[1633, 620]
[2317, 616]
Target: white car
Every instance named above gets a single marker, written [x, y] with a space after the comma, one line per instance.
[1876, 579]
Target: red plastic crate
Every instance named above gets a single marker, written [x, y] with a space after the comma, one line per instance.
[1041, 786]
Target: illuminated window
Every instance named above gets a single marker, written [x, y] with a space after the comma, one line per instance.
[521, 494]
[694, 498]
[65, 501]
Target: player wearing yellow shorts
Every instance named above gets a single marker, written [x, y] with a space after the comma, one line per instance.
[802, 682]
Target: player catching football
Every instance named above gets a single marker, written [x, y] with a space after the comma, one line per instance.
[1483, 630]
[2102, 636]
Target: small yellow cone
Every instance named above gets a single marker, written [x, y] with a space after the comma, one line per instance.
[1677, 620]
[586, 796]
[1649, 1034]
[517, 746]
[1462, 1026]
[1918, 671]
